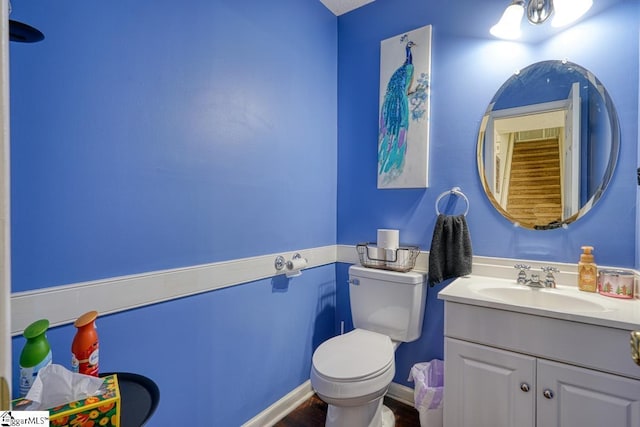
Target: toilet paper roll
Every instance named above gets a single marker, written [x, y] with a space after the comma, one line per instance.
[375, 253]
[392, 255]
[402, 258]
[297, 264]
[388, 239]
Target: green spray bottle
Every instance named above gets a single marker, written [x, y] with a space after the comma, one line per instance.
[35, 355]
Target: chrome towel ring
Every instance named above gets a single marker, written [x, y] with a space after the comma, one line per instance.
[455, 191]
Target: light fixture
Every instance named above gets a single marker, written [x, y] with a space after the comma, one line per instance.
[538, 11]
[509, 25]
[568, 11]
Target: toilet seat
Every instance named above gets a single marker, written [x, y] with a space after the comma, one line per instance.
[359, 364]
[354, 356]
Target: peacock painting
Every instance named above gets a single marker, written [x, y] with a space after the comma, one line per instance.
[404, 110]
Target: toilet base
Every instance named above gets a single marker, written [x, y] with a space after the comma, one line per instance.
[372, 414]
[388, 419]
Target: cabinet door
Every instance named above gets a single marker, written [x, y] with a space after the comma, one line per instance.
[569, 396]
[487, 387]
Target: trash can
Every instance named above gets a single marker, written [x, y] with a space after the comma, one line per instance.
[428, 392]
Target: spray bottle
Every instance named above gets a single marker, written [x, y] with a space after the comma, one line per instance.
[84, 348]
[35, 355]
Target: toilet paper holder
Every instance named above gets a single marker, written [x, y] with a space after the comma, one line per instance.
[293, 266]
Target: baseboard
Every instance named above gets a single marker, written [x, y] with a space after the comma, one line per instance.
[282, 407]
[293, 399]
[401, 393]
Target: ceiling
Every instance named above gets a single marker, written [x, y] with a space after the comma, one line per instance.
[480, 18]
[338, 7]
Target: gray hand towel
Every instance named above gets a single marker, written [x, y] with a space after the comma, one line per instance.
[450, 254]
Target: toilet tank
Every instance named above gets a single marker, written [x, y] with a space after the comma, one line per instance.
[388, 302]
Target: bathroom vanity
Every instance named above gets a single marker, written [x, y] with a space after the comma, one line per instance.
[517, 356]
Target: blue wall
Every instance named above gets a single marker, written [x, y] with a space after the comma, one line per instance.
[151, 135]
[157, 135]
[467, 68]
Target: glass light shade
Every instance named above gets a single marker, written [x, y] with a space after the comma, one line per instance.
[568, 11]
[509, 25]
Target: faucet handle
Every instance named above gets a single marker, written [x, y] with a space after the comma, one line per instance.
[549, 280]
[522, 274]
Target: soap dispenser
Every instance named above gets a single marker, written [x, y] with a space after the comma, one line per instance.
[587, 271]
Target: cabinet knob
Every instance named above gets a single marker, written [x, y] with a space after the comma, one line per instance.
[524, 387]
[548, 394]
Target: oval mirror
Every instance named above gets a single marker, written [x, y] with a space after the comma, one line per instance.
[548, 145]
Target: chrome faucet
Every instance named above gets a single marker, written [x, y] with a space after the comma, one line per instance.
[549, 280]
[535, 281]
[522, 274]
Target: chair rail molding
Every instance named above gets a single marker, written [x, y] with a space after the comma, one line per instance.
[115, 294]
[59, 303]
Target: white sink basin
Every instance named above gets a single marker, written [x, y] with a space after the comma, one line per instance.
[564, 302]
[551, 299]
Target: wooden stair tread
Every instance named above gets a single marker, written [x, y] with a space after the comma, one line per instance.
[534, 185]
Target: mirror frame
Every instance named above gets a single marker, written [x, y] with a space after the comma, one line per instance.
[614, 126]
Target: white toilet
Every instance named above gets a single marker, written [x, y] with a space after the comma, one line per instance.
[352, 372]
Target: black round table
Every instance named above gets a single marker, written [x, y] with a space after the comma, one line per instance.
[139, 397]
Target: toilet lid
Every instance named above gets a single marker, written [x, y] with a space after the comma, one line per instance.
[355, 355]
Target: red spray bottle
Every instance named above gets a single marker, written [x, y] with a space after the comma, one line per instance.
[84, 348]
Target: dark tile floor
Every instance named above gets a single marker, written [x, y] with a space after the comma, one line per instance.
[312, 413]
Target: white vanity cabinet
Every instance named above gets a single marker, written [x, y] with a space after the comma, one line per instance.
[512, 367]
[569, 396]
[485, 386]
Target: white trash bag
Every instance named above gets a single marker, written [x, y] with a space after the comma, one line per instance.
[428, 392]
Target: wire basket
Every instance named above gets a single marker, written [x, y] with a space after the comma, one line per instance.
[402, 259]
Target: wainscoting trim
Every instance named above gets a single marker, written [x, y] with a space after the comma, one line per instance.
[60, 304]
